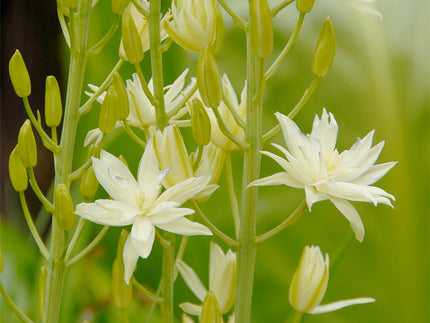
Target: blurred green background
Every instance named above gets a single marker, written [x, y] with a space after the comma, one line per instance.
[379, 80]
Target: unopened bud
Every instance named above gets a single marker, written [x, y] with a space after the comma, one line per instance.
[19, 75]
[324, 51]
[108, 111]
[53, 106]
[261, 28]
[64, 210]
[70, 3]
[41, 290]
[219, 33]
[209, 80]
[121, 291]
[123, 107]
[131, 41]
[89, 184]
[200, 123]
[210, 310]
[118, 6]
[17, 172]
[27, 148]
[304, 6]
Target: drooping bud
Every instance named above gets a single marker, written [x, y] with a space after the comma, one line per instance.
[121, 291]
[64, 210]
[27, 148]
[324, 51]
[53, 106]
[261, 28]
[219, 33]
[108, 111]
[19, 75]
[118, 6]
[209, 80]
[17, 172]
[41, 289]
[123, 107]
[89, 184]
[304, 6]
[200, 123]
[131, 41]
[210, 309]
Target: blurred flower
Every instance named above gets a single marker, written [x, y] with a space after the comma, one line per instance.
[310, 283]
[139, 203]
[362, 5]
[313, 163]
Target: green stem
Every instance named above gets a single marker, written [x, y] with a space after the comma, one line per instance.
[198, 157]
[226, 132]
[146, 291]
[234, 112]
[232, 193]
[36, 189]
[168, 265]
[139, 8]
[75, 237]
[132, 135]
[274, 11]
[13, 306]
[80, 171]
[239, 21]
[101, 44]
[124, 315]
[298, 317]
[64, 159]
[180, 103]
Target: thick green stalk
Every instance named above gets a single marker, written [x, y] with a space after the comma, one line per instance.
[168, 278]
[63, 160]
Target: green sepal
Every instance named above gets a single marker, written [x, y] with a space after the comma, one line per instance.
[200, 123]
[131, 41]
[210, 310]
[123, 106]
[208, 79]
[108, 111]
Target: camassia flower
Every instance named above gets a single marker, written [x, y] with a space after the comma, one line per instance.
[314, 164]
[140, 203]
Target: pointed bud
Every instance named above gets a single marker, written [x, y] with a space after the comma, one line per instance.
[121, 291]
[209, 80]
[200, 123]
[261, 28]
[89, 184]
[53, 106]
[41, 290]
[219, 33]
[123, 106]
[210, 310]
[17, 172]
[325, 50]
[19, 75]
[27, 148]
[64, 210]
[304, 6]
[118, 6]
[108, 111]
[131, 41]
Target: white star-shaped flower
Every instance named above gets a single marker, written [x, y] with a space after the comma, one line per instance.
[314, 164]
[140, 203]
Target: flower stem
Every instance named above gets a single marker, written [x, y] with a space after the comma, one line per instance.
[298, 317]
[13, 306]
[232, 193]
[168, 263]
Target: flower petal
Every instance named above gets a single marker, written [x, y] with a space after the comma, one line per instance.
[170, 214]
[130, 256]
[185, 227]
[340, 304]
[142, 234]
[351, 214]
[107, 212]
[374, 173]
[191, 308]
[185, 190]
[191, 279]
[277, 179]
[293, 136]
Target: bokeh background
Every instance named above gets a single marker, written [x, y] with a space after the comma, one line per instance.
[379, 80]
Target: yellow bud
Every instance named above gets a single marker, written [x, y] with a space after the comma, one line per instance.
[219, 33]
[131, 41]
[19, 75]
[27, 148]
[53, 106]
[209, 80]
[41, 290]
[304, 6]
[89, 184]
[261, 28]
[118, 6]
[17, 172]
[123, 106]
[121, 291]
[210, 310]
[325, 50]
[108, 111]
[200, 123]
[64, 210]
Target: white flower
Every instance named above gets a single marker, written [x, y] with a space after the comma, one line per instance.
[310, 283]
[222, 280]
[139, 203]
[362, 5]
[314, 164]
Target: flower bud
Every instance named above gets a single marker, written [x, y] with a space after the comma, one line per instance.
[219, 33]
[41, 290]
[108, 111]
[131, 41]
[17, 172]
[53, 106]
[210, 310]
[19, 75]
[310, 280]
[121, 291]
[89, 184]
[200, 123]
[261, 28]
[123, 107]
[118, 6]
[304, 6]
[209, 80]
[70, 3]
[64, 210]
[27, 148]
[324, 51]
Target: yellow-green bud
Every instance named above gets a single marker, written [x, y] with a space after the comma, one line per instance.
[209, 80]
[200, 123]
[17, 172]
[108, 111]
[121, 291]
[41, 289]
[19, 75]
[118, 6]
[210, 310]
[325, 50]
[70, 3]
[89, 184]
[219, 33]
[131, 41]
[27, 148]
[64, 210]
[261, 28]
[304, 6]
[123, 106]
[53, 106]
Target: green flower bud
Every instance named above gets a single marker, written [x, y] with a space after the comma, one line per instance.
[261, 28]
[70, 3]
[324, 51]
[41, 289]
[219, 33]
[209, 80]
[89, 184]
[109, 112]
[118, 6]
[53, 106]
[19, 75]
[200, 123]
[64, 210]
[304, 6]
[17, 172]
[123, 106]
[27, 148]
[131, 41]
[121, 291]
[210, 310]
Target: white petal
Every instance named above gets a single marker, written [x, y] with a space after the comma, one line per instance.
[176, 88]
[324, 131]
[185, 190]
[374, 173]
[293, 136]
[166, 215]
[185, 227]
[142, 234]
[191, 279]
[351, 214]
[130, 256]
[312, 196]
[341, 304]
[107, 212]
[191, 308]
[277, 179]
